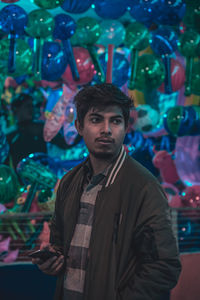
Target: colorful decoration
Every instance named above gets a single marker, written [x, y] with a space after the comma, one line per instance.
[150, 72]
[137, 39]
[8, 184]
[57, 118]
[110, 9]
[54, 61]
[143, 11]
[113, 32]
[23, 56]
[65, 28]
[13, 20]
[176, 75]
[4, 146]
[188, 45]
[85, 67]
[190, 197]
[76, 6]
[48, 4]
[187, 160]
[87, 33]
[147, 118]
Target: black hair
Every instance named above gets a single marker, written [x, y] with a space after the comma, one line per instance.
[100, 96]
[19, 100]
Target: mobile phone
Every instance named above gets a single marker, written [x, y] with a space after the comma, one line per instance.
[43, 254]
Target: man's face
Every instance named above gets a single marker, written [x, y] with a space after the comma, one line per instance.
[103, 131]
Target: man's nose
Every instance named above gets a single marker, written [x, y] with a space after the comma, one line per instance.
[106, 128]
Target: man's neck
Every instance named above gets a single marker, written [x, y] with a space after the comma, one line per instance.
[99, 165]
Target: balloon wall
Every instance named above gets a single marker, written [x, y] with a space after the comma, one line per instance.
[51, 49]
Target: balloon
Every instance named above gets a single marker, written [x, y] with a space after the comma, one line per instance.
[24, 56]
[65, 28]
[150, 72]
[113, 32]
[9, 1]
[179, 120]
[8, 184]
[110, 9]
[137, 39]
[13, 18]
[52, 99]
[189, 43]
[84, 65]
[55, 122]
[170, 12]
[54, 61]
[88, 31]
[195, 85]
[147, 118]
[189, 46]
[187, 159]
[164, 41]
[120, 68]
[177, 74]
[40, 23]
[76, 6]
[143, 11]
[48, 4]
[137, 36]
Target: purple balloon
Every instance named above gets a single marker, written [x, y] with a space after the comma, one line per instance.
[187, 159]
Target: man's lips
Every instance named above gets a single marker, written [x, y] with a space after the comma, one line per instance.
[105, 140]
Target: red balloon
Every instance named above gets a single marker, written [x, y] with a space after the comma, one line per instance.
[177, 76]
[85, 67]
[9, 1]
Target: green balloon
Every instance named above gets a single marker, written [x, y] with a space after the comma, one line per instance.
[8, 184]
[48, 4]
[137, 36]
[87, 32]
[195, 84]
[150, 72]
[189, 43]
[40, 23]
[173, 120]
[23, 57]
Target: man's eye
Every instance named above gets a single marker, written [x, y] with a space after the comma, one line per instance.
[117, 121]
[94, 120]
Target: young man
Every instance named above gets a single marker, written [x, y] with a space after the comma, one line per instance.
[111, 225]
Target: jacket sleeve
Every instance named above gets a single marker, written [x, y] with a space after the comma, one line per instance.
[56, 227]
[156, 265]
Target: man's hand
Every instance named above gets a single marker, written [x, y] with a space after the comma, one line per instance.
[51, 266]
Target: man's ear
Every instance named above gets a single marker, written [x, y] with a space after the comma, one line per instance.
[78, 127]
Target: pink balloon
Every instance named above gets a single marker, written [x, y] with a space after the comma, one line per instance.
[187, 159]
[9, 1]
[54, 123]
[177, 76]
[85, 67]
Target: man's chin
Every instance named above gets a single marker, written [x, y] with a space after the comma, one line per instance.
[103, 155]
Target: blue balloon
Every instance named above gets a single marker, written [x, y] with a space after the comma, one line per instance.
[164, 41]
[120, 68]
[13, 19]
[110, 9]
[76, 6]
[170, 12]
[53, 98]
[143, 11]
[65, 27]
[54, 61]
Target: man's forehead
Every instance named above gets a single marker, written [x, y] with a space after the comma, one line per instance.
[115, 109]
